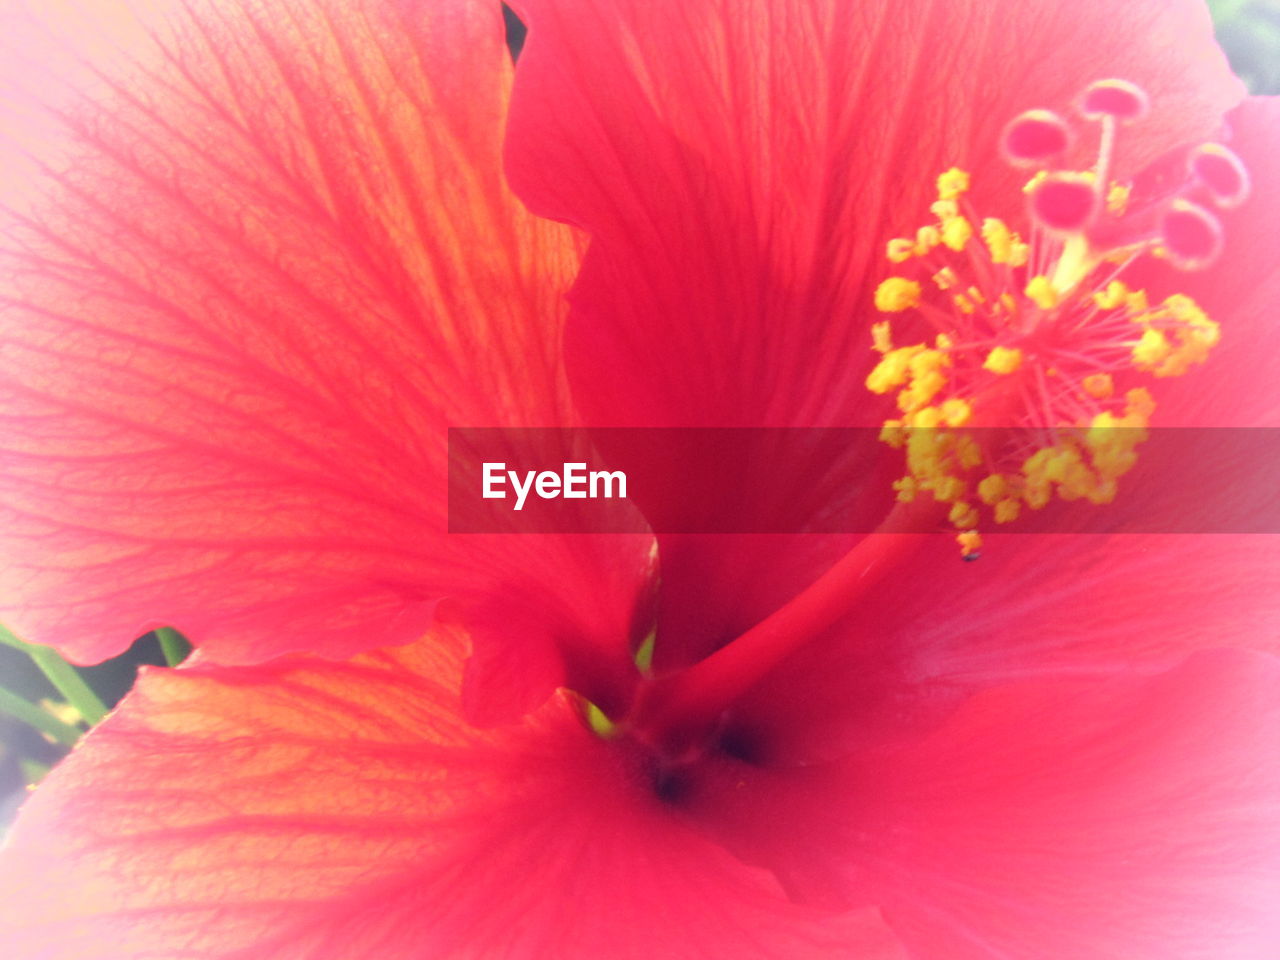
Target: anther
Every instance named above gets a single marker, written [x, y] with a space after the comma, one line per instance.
[897, 294]
[1035, 137]
[952, 184]
[1118, 99]
[1003, 360]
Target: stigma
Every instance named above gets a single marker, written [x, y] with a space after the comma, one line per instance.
[1030, 367]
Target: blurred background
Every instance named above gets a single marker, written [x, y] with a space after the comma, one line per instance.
[45, 705]
[1249, 31]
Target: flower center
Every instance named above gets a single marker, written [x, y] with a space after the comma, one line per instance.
[675, 714]
[1023, 384]
[1012, 400]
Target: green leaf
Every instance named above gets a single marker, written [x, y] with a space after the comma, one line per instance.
[36, 716]
[174, 645]
[64, 677]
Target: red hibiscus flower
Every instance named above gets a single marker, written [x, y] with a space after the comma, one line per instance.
[259, 257]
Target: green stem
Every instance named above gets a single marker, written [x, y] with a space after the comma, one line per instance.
[41, 719]
[64, 677]
[173, 645]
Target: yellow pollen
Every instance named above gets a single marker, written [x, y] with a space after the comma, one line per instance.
[1037, 495]
[1066, 468]
[1113, 296]
[892, 371]
[999, 239]
[992, 489]
[963, 515]
[956, 412]
[900, 250]
[1098, 385]
[1151, 350]
[952, 184]
[926, 239]
[956, 232]
[1003, 360]
[907, 489]
[925, 419]
[1111, 440]
[881, 342]
[1194, 335]
[893, 434]
[925, 385]
[1041, 292]
[967, 452]
[1117, 198]
[1008, 511]
[1183, 307]
[1077, 260]
[944, 209]
[947, 489]
[970, 543]
[1139, 404]
[944, 279]
[928, 361]
[1067, 328]
[897, 294]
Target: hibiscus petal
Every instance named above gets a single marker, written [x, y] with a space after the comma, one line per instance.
[1134, 818]
[1113, 817]
[1034, 607]
[268, 259]
[1087, 605]
[307, 809]
[739, 169]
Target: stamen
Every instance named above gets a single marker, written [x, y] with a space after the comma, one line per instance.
[1110, 102]
[1100, 386]
[881, 341]
[900, 250]
[952, 183]
[1040, 343]
[956, 232]
[1003, 360]
[897, 294]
